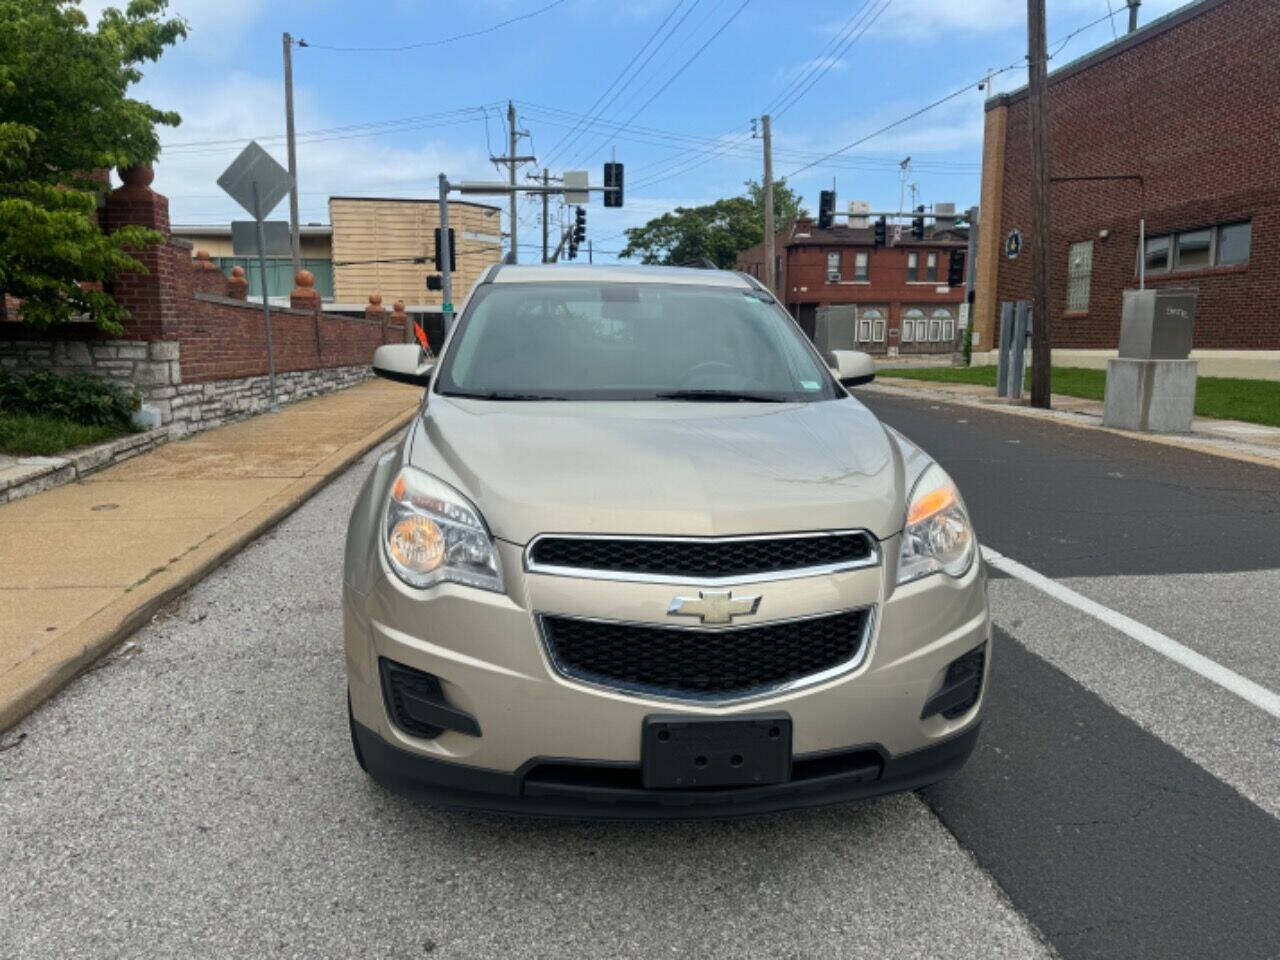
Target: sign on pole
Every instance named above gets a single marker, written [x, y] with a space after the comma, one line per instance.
[275, 238]
[257, 182]
[575, 187]
[255, 164]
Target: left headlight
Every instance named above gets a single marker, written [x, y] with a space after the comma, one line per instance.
[432, 534]
[938, 537]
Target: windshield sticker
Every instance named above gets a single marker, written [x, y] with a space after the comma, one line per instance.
[810, 384]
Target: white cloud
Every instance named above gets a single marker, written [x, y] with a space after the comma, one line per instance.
[213, 26]
[816, 63]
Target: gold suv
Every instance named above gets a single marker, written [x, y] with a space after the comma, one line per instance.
[641, 554]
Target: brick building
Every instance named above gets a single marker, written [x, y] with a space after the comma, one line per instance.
[899, 294]
[1176, 125]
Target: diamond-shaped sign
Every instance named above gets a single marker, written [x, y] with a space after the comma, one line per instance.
[255, 164]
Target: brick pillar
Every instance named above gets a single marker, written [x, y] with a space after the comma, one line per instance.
[304, 296]
[237, 285]
[206, 277]
[393, 330]
[152, 298]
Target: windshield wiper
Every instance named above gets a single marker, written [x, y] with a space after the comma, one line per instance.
[720, 396]
[499, 395]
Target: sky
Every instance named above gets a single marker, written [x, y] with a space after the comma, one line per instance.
[386, 99]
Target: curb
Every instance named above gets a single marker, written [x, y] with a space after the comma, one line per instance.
[37, 679]
[1212, 446]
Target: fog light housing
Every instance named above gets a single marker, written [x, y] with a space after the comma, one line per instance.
[961, 686]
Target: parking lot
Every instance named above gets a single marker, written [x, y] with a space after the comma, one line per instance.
[195, 794]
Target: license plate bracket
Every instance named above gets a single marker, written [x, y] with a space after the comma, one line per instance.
[681, 752]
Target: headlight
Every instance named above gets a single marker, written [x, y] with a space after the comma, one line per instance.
[432, 534]
[938, 535]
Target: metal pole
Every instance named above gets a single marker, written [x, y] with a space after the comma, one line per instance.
[590, 255]
[771, 279]
[1142, 254]
[1133, 14]
[295, 241]
[1037, 58]
[511, 158]
[546, 197]
[273, 406]
[1004, 356]
[446, 276]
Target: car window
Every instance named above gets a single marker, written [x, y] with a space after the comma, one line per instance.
[629, 341]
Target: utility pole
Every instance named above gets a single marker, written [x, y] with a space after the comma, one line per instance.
[590, 253]
[1037, 60]
[546, 198]
[295, 242]
[1133, 14]
[771, 280]
[512, 161]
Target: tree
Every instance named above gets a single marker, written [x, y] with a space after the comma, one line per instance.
[64, 113]
[718, 231]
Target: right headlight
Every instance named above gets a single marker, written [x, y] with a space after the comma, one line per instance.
[938, 537]
[432, 534]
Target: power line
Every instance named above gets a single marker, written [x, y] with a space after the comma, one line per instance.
[437, 43]
[684, 66]
[852, 39]
[556, 147]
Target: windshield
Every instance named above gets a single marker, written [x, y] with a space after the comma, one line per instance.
[630, 341]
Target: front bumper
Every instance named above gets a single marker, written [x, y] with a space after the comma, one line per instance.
[557, 788]
[491, 664]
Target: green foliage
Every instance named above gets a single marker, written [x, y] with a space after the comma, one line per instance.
[64, 112]
[718, 231]
[76, 398]
[25, 435]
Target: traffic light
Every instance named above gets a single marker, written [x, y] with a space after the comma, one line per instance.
[453, 252]
[955, 269]
[435, 281]
[579, 225]
[826, 208]
[881, 230]
[917, 224]
[613, 184]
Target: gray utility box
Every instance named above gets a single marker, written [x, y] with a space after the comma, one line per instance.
[1158, 324]
[836, 328]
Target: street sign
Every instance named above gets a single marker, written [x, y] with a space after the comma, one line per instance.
[575, 187]
[275, 238]
[255, 164]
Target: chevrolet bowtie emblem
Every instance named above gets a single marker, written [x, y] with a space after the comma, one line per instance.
[713, 606]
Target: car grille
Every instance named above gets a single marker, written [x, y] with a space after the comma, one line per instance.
[703, 558]
[691, 663]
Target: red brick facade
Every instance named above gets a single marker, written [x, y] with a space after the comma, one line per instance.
[887, 300]
[1189, 104]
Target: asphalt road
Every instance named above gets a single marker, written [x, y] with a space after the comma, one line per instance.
[195, 795]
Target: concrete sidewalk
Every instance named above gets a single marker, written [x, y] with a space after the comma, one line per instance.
[1236, 439]
[84, 565]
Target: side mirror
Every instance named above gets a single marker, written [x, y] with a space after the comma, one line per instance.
[852, 367]
[403, 363]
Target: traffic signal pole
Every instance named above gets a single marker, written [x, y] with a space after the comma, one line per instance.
[446, 275]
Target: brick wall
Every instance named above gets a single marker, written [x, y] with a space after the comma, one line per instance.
[1187, 105]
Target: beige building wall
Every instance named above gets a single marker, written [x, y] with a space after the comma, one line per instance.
[366, 229]
[990, 234]
[219, 243]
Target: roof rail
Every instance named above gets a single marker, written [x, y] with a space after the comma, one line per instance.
[701, 263]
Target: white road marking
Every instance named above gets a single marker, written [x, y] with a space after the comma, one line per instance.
[1211, 670]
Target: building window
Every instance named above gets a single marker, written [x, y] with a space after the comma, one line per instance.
[1079, 275]
[280, 277]
[861, 267]
[943, 316]
[1233, 243]
[1194, 250]
[870, 325]
[1221, 246]
[913, 267]
[931, 269]
[833, 267]
[913, 325]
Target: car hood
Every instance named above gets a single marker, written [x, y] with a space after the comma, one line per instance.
[664, 467]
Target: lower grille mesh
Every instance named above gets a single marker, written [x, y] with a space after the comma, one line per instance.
[703, 663]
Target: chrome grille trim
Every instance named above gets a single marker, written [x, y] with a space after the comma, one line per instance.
[873, 558]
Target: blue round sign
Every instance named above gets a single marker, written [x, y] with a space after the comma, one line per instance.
[1013, 244]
